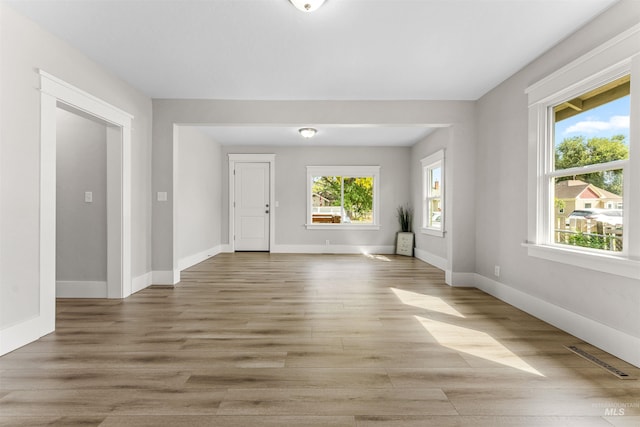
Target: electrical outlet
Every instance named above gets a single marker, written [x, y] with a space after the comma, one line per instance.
[496, 271]
[327, 242]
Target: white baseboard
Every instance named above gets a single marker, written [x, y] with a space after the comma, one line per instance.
[81, 289]
[462, 280]
[618, 343]
[165, 277]
[451, 278]
[23, 333]
[141, 282]
[430, 258]
[333, 249]
[194, 259]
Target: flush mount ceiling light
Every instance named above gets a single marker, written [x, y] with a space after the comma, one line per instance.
[307, 5]
[307, 132]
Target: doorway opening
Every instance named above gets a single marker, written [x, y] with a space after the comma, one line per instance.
[57, 94]
[81, 206]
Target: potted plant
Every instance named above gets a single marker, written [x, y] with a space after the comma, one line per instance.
[404, 238]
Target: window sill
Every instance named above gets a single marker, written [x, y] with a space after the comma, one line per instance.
[617, 265]
[432, 232]
[342, 227]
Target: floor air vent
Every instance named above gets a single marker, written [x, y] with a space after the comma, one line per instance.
[593, 359]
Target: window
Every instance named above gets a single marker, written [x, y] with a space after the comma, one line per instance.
[590, 153]
[342, 197]
[581, 126]
[433, 194]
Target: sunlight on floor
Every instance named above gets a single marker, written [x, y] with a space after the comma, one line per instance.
[475, 343]
[427, 302]
[376, 257]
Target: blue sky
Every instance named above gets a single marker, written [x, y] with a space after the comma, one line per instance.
[604, 121]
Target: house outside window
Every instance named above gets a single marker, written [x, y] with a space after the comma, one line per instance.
[581, 126]
[433, 194]
[343, 197]
[590, 154]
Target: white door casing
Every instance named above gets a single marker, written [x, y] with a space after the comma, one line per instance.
[55, 92]
[251, 202]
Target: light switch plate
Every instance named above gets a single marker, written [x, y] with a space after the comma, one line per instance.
[162, 196]
[88, 197]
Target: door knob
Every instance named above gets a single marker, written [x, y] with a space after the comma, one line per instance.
[267, 211]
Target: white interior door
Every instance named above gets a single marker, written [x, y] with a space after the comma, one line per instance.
[251, 211]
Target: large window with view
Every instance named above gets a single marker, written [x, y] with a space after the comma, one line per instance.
[590, 156]
[342, 196]
[583, 204]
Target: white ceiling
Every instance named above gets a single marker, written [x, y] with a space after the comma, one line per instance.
[346, 50]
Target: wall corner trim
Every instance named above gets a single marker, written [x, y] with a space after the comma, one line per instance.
[197, 258]
[429, 258]
[21, 334]
[81, 289]
[164, 277]
[141, 282]
[462, 280]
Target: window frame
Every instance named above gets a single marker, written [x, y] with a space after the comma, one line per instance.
[344, 172]
[430, 163]
[614, 59]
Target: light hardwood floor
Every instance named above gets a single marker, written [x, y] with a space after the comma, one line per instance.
[256, 339]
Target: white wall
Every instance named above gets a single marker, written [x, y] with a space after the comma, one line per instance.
[291, 193]
[199, 164]
[81, 228]
[25, 48]
[429, 248]
[601, 308]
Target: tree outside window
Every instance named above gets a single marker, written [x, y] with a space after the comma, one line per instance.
[343, 196]
[591, 150]
[350, 198]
